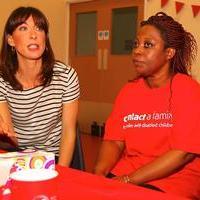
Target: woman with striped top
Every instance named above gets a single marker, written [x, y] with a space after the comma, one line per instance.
[38, 96]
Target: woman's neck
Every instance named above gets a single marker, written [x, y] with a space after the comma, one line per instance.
[29, 74]
[157, 81]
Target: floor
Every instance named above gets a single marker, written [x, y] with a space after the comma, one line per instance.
[91, 145]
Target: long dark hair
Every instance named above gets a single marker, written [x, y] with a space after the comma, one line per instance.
[8, 57]
[175, 36]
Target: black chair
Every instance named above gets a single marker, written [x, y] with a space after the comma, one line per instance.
[78, 158]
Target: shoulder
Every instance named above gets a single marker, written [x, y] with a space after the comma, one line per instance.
[186, 89]
[62, 70]
[132, 86]
[130, 89]
[185, 84]
[185, 79]
[60, 67]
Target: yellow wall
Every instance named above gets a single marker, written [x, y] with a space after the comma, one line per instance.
[56, 12]
[185, 16]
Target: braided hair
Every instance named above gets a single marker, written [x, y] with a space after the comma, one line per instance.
[176, 37]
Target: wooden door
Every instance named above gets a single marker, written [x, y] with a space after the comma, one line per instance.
[103, 68]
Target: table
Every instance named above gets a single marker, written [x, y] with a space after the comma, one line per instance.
[72, 184]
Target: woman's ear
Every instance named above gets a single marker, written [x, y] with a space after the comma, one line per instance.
[170, 53]
[10, 40]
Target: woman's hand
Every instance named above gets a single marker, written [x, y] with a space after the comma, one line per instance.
[4, 128]
[7, 134]
[123, 179]
[165, 165]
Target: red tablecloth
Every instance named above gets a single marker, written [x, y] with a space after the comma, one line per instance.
[72, 184]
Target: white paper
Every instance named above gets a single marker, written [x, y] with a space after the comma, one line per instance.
[100, 35]
[5, 167]
[106, 35]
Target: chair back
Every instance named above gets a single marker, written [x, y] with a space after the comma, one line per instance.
[78, 158]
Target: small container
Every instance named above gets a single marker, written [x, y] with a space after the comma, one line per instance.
[95, 128]
[102, 130]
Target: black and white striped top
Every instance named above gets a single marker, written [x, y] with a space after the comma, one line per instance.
[36, 113]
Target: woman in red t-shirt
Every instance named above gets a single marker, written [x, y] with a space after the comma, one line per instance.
[152, 135]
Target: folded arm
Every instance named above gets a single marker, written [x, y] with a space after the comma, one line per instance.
[163, 166]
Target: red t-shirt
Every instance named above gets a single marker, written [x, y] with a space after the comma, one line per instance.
[153, 121]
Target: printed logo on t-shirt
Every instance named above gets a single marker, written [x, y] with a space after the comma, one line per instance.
[148, 120]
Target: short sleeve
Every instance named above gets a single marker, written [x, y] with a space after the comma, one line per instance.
[72, 89]
[186, 131]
